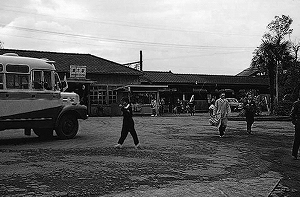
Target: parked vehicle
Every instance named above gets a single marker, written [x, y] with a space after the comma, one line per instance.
[235, 105]
[31, 98]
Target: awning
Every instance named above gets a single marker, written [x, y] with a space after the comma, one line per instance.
[142, 88]
[146, 86]
[226, 90]
[73, 80]
[199, 90]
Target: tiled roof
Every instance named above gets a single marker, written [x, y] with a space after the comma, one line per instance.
[248, 72]
[162, 77]
[155, 77]
[94, 64]
[225, 79]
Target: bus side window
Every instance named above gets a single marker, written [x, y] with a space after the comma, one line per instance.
[47, 80]
[1, 76]
[57, 82]
[24, 79]
[37, 80]
[1, 81]
[17, 76]
[17, 81]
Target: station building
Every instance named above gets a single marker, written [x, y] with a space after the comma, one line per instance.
[102, 83]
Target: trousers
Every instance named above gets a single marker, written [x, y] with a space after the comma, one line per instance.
[250, 121]
[296, 144]
[124, 134]
[222, 129]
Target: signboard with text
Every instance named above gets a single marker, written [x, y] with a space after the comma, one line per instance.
[77, 71]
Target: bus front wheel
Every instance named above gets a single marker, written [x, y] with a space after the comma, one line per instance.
[67, 127]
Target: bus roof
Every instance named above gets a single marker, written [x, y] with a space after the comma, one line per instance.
[33, 63]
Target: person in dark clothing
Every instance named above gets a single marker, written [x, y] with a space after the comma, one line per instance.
[250, 108]
[295, 115]
[178, 107]
[83, 96]
[191, 106]
[128, 124]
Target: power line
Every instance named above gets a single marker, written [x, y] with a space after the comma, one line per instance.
[143, 26]
[189, 56]
[125, 40]
[50, 40]
[149, 59]
[233, 49]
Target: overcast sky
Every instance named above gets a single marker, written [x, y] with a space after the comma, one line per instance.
[184, 36]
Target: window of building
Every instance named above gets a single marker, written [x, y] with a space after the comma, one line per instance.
[112, 94]
[98, 95]
[102, 95]
[142, 97]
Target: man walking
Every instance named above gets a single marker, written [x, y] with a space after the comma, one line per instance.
[295, 115]
[128, 124]
[222, 108]
[250, 109]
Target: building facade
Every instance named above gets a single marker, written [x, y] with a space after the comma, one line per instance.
[102, 83]
[203, 87]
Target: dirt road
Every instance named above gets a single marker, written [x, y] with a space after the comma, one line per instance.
[179, 156]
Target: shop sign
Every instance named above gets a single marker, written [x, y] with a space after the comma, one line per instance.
[77, 71]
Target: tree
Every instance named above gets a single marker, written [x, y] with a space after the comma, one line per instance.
[274, 53]
[292, 82]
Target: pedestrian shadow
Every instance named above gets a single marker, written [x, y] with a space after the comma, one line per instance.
[228, 136]
[25, 140]
[232, 133]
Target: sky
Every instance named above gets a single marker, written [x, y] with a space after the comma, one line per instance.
[182, 36]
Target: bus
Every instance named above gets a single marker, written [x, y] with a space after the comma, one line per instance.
[31, 98]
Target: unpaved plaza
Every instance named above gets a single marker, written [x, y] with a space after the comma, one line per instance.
[180, 156]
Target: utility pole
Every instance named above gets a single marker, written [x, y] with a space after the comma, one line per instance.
[138, 65]
[277, 84]
[141, 61]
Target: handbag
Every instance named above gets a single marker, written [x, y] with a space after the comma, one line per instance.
[214, 121]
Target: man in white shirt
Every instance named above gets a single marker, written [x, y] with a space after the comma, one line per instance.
[222, 111]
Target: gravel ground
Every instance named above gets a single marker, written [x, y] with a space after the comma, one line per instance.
[179, 156]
